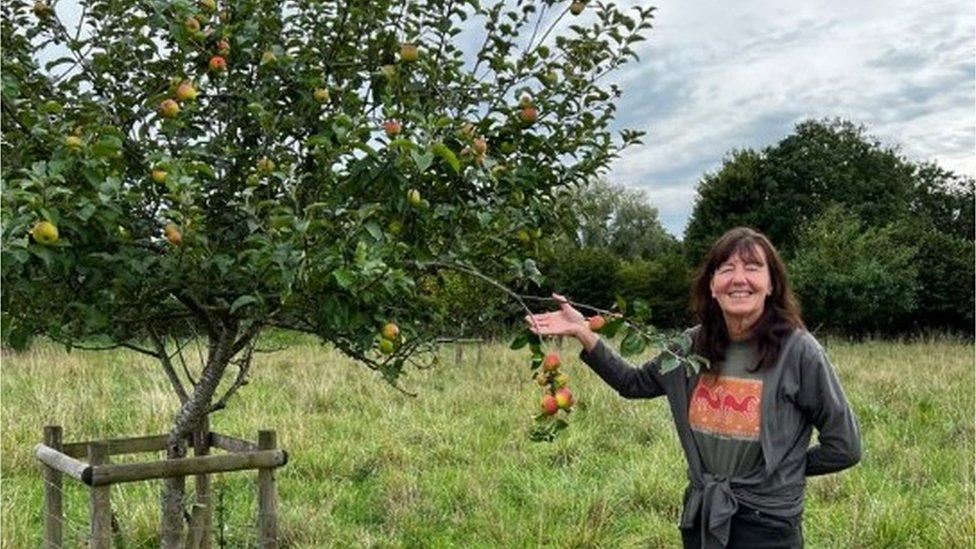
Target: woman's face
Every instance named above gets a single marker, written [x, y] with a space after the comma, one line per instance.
[740, 286]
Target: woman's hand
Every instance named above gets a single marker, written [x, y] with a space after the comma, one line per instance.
[565, 321]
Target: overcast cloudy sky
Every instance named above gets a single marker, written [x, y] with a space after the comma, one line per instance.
[720, 75]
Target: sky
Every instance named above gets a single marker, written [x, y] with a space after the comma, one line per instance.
[714, 76]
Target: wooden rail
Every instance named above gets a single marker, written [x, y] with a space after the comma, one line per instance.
[100, 474]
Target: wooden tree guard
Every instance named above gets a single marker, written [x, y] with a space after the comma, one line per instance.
[99, 474]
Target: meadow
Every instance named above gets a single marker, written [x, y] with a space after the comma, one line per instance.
[454, 466]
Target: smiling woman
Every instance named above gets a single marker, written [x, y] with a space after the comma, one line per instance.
[745, 424]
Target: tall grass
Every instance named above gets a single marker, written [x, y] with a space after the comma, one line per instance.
[371, 467]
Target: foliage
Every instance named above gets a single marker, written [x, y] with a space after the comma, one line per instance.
[293, 211]
[617, 218]
[854, 278]
[663, 283]
[787, 187]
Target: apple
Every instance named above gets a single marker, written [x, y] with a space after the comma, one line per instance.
[73, 142]
[41, 9]
[577, 6]
[191, 24]
[44, 232]
[209, 5]
[596, 323]
[564, 398]
[524, 236]
[218, 63]
[223, 47]
[409, 53]
[561, 380]
[541, 379]
[173, 234]
[480, 146]
[551, 362]
[186, 91]
[467, 129]
[525, 100]
[413, 197]
[268, 57]
[159, 175]
[387, 347]
[551, 77]
[265, 165]
[169, 108]
[321, 95]
[529, 114]
[392, 127]
[549, 405]
[390, 331]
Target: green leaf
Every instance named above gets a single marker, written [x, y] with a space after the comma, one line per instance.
[520, 341]
[422, 160]
[446, 155]
[668, 363]
[612, 327]
[633, 343]
[242, 301]
[374, 230]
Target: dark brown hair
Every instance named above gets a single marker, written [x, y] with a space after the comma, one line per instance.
[781, 311]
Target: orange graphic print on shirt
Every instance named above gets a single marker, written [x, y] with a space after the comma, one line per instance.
[726, 407]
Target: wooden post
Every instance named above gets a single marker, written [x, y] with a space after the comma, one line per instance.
[201, 447]
[458, 353]
[267, 496]
[101, 506]
[53, 498]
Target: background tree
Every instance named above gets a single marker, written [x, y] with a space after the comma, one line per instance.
[786, 188]
[852, 278]
[223, 167]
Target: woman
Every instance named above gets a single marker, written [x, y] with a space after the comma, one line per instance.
[744, 423]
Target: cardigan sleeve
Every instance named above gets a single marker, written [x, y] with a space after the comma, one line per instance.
[823, 401]
[629, 381]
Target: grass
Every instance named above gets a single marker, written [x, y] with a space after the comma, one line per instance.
[370, 467]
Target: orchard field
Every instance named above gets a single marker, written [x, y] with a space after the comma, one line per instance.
[453, 467]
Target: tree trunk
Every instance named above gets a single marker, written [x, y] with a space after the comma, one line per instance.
[192, 418]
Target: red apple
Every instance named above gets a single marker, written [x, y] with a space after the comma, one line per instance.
[551, 362]
[390, 331]
[392, 127]
[223, 47]
[218, 63]
[549, 405]
[576, 7]
[529, 114]
[186, 91]
[596, 322]
[564, 398]
[169, 108]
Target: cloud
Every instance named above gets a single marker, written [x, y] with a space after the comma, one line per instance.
[717, 77]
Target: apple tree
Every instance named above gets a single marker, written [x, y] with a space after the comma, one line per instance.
[179, 169]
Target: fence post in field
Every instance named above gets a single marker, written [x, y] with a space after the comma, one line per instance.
[203, 510]
[101, 509]
[53, 498]
[267, 496]
[458, 352]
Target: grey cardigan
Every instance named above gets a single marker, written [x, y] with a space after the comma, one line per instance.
[800, 392]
